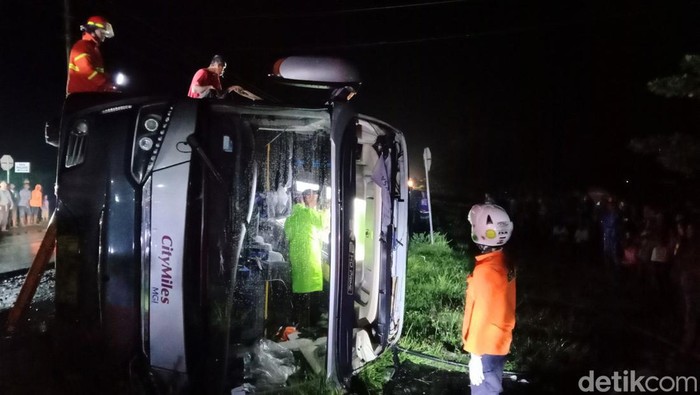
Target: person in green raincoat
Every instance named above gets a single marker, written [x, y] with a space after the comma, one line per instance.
[304, 231]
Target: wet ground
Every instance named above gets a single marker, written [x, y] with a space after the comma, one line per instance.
[18, 246]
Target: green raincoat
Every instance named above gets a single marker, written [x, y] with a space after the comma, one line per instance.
[304, 229]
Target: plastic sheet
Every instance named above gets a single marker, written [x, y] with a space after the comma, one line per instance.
[271, 364]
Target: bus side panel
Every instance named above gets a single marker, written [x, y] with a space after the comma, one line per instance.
[97, 273]
[340, 351]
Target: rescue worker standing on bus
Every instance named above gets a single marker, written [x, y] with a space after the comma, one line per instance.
[489, 310]
[86, 71]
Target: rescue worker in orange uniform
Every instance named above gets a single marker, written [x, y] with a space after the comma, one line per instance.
[489, 310]
[86, 71]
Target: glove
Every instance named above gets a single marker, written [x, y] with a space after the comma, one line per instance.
[476, 370]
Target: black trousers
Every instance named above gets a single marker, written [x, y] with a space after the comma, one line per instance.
[307, 308]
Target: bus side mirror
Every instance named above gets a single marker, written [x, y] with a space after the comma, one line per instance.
[51, 131]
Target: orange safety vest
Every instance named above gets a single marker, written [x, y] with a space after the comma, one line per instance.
[37, 197]
[86, 71]
[489, 309]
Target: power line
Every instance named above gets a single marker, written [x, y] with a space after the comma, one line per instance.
[330, 13]
[409, 41]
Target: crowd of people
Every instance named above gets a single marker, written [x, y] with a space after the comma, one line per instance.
[27, 206]
[646, 248]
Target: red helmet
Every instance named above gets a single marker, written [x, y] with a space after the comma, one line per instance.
[98, 22]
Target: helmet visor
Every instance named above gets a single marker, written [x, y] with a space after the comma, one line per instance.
[108, 31]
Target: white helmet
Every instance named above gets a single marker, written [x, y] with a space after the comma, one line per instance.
[491, 225]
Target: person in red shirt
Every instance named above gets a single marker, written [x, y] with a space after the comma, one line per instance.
[207, 81]
[86, 71]
[489, 308]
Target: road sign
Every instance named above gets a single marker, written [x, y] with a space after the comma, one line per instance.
[6, 162]
[23, 167]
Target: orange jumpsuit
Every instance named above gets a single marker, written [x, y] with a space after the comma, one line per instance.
[86, 71]
[489, 309]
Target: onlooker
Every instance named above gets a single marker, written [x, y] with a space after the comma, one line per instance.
[13, 211]
[661, 262]
[610, 230]
[489, 309]
[630, 256]
[45, 209]
[582, 241]
[5, 205]
[647, 240]
[561, 241]
[560, 234]
[689, 265]
[206, 82]
[25, 213]
[35, 203]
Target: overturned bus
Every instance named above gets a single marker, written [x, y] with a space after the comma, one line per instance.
[172, 256]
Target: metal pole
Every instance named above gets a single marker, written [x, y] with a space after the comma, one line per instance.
[430, 209]
[66, 28]
[427, 160]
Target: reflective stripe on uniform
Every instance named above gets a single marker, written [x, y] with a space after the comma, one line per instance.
[91, 76]
[72, 65]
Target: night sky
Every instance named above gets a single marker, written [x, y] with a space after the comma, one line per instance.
[508, 95]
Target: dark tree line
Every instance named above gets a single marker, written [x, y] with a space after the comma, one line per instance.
[678, 152]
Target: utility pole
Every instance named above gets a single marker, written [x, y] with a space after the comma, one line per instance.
[66, 27]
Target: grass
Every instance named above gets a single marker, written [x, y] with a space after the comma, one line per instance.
[435, 286]
[434, 294]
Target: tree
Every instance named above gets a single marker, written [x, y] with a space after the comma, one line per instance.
[686, 84]
[677, 152]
